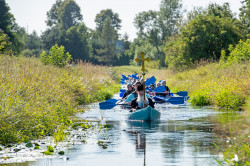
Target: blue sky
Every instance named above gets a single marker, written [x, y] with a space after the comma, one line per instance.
[31, 14]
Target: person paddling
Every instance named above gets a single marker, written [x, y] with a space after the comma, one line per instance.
[139, 101]
[133, 95]
[166, 87]
[128, 91]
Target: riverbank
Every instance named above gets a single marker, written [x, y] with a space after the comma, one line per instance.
[38, 100]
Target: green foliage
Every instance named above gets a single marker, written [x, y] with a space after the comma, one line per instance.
[203, 38]
[5, 45]
[61, 153]
[31, 53]
[245, 15]
[56, 56]
[103, 15]
[225, 86]
[47, 153]
[106, 53]
[29, 145]
[200, 99]
[229, 100]
[75, 41]
[50, 149]
[51, 37]
[9, 27]
[155, 26]
[38, 100]
[65, 14]
[239, 53]
[36, 147]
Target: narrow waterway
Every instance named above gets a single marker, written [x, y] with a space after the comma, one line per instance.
[181, 137]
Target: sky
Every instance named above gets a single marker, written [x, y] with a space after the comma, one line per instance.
[31, 14]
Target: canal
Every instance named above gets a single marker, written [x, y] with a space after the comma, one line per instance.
[181, 137]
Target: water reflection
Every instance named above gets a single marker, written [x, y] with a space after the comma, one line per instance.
[182, 137]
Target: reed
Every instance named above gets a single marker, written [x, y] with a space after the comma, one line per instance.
[38, 100]
[225, 86]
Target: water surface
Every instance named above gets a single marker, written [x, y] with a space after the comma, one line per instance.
[181, 137]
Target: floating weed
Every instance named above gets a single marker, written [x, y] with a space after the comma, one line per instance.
[61, 153]
[47, 153]
[36, 147]
[29, 145]
[50, 148]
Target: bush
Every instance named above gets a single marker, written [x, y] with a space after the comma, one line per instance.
[56, 56]
[239, 53]
[5, 45]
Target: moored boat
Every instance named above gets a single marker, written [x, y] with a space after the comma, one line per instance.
[146, 114]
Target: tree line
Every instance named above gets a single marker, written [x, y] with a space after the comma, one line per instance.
[170, 36]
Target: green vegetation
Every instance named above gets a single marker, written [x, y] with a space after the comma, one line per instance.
[50, 149]
[38, 100]
[56, 56]
[232, 130]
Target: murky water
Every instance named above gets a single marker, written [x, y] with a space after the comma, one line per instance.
[181, 137]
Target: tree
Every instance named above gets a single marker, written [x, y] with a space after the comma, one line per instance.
[108, 41]
[64, 14]
[169, 15]
[9, 27]
[103, 15]
[220, 11]
[5, 45]
[203, 38]
[69, 14]
[33, 41]
[245, 16]
[213, 9]
[76, 42]
[51, 37]
[56, 56]
[52, 14]
[156, 26]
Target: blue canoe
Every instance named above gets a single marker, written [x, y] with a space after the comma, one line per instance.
[147, 114]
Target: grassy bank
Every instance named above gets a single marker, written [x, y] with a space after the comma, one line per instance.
[38, 100]
[212, 84]
[225, 86]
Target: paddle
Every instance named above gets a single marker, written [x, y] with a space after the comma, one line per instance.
[123, 82]
[150, 81]
[180, 93]
[172, 100]
[124, 77]
[108, 105]
[159, 89]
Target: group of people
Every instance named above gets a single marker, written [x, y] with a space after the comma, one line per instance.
[134, 95]
[160, 83]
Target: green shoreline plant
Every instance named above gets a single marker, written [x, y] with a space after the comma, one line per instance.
[39, 100]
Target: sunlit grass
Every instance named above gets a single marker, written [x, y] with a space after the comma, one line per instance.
[223, 86]
[38, 100]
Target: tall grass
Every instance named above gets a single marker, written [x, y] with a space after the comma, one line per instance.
[38, 100]
[221, 85]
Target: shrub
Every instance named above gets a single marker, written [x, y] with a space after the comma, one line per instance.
[239, 53]
[56, 56]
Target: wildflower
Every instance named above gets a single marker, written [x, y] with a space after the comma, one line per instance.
[236, 158]
[221, 155]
